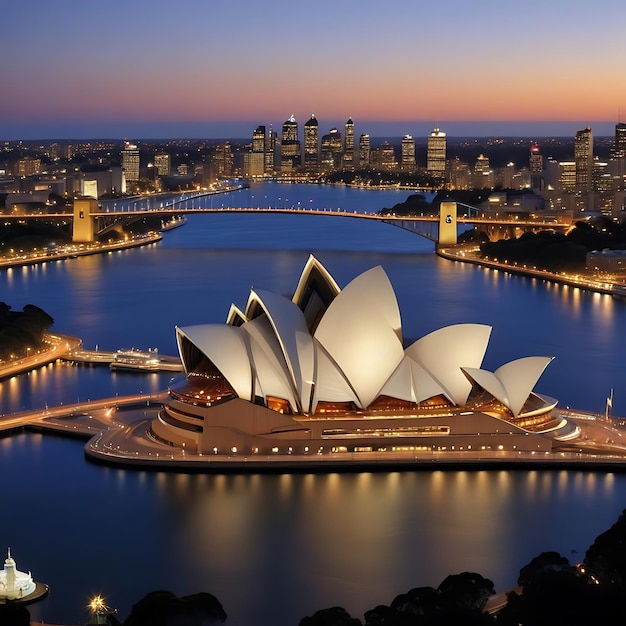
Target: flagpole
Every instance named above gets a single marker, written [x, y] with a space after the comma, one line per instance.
[609, 405]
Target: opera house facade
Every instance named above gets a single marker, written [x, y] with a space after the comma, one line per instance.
[327, 372]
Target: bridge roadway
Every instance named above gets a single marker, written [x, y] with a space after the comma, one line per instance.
[464, 219]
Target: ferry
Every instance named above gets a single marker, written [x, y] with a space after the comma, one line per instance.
[138, 360]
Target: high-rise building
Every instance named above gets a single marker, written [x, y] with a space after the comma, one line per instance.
[483, 174]
[535, 166]
[289, 146]
[162, 164]
[583, 157]
[271, 143]
[222, 161]
[348, 145]
[436, 153]
[568, 177]
[619, 151]
[407, 157]
[331, 150]
[385, 157]
[258, 139]
[311, 145]
[254, 161]
[130, 162]
[28, 166]
[364, 151]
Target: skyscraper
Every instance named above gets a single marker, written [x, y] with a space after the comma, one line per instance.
[311, 145]
[162, 164]
[331, 150]
[535, 166]
[222, 160]
[271, 143]
[619, 151]
[583, 157]
[258, 139]
[130, 162]
[254, 162]
[407, 157]
[436, 153]
[348, 144]
[290, 146]
[364, 151]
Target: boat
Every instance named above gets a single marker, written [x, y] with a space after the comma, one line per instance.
[138, 360]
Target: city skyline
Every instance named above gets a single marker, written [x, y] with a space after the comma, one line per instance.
[146, 71]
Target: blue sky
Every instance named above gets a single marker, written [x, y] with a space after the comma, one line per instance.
[218, 68]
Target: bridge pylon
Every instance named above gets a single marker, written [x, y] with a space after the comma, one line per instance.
[84, 224]
[447, 224]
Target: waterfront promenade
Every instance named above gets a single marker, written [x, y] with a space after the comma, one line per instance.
[74, 250]
[118, 433]
[471, 254]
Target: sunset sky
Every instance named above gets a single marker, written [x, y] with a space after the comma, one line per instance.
[218, 68]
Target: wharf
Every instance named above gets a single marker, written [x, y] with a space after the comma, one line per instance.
[131, 360]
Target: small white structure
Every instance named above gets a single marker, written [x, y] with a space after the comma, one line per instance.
[13, 583]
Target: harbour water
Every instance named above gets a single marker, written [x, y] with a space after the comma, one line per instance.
[282, 546]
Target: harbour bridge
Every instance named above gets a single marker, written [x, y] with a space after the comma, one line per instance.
[91, 218]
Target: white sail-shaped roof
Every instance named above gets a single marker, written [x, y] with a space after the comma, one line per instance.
[270, 368]
[330, 383]
[314, 268]
[444, 352]
[360, 331]
[331, 345]
[513, 382]
[235, 317]
[226, 347]
[293, 336]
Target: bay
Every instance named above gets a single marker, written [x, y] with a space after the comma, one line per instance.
[283, 546]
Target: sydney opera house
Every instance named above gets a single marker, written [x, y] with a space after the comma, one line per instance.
[327, 372]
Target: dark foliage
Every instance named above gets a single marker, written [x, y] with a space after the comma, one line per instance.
[163, 608]
[562, 598]
[33, 235]
[606, 557]
[334, 616]
[20, 331]
[465, 591]
[557, 252]
[13, 614]
[545, 563]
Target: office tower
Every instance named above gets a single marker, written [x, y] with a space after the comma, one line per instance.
[130, 162]
[348, 144]
[460, 175]
[619, 151]
[271, 143]
[483, 175]
[28, 166]
[386, 157]
[535, 165]
[162, 164]
[222, 161]
[290, 146]
[407, 157]
[583, 157]
[364, 151]
[258, 139]
[331, 150]
[254, 161]
[568, 179]
[311, 145]
[436, 153]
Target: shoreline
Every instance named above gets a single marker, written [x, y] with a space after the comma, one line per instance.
[142, 240]
[463, 254]
[119, 438]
